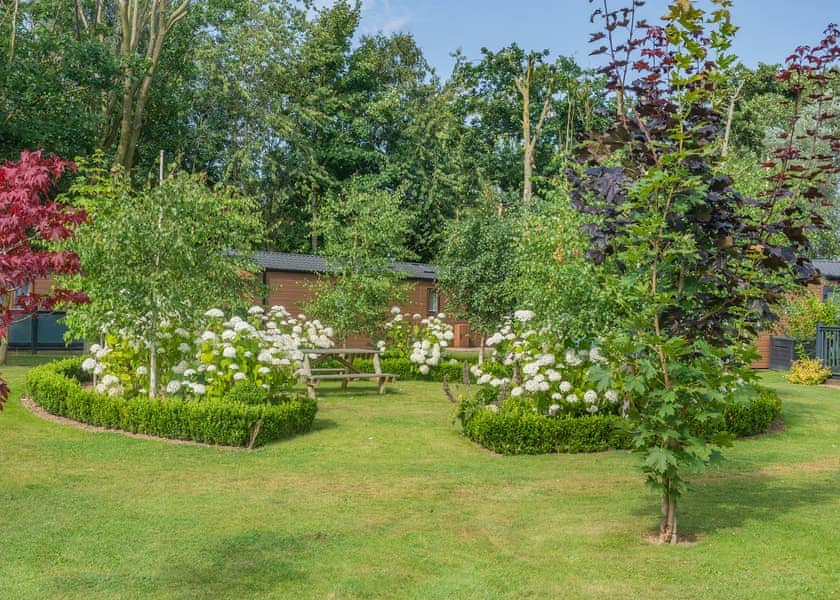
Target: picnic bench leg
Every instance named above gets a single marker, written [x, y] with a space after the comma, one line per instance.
[377, 368]
[346, 371]
[310, 389]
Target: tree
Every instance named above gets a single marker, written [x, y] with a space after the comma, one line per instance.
[364, 232]
[53, 86]
[520, 111]
[30, 223]
[477, 266]
[169, 252]
[144, 26]
[569, 295]
[697, 265]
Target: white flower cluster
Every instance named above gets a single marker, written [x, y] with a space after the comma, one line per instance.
[421, 340]
[435, 337]
[265, 347]
[536, 367]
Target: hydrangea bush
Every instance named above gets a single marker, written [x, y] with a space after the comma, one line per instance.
[421, 340]
[265, 348]
[533, 364]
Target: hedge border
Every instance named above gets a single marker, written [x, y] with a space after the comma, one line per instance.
[56, 387]
[524, 432]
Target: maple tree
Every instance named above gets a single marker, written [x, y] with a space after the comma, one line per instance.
[31, 223]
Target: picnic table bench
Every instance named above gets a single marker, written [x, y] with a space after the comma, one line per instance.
[311, 375]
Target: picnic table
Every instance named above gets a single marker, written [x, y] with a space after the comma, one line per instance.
[311, 374]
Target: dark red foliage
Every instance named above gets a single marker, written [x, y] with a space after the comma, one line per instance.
[29, 221]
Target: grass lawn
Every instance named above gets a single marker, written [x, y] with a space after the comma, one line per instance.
[385, 499]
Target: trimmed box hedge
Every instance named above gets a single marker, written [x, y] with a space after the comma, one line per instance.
[56, 387]
[516, 429]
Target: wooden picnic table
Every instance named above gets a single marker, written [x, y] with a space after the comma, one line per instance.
[311, 374]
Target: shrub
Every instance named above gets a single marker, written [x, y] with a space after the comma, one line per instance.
[526, 432]
[211, 421]
[808, 371]
[518, 428]
[246, 392]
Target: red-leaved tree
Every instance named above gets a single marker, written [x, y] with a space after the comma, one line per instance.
[30, 223]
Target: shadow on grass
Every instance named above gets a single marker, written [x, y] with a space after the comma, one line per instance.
[248, 564]
[725, 503]
[323, 424]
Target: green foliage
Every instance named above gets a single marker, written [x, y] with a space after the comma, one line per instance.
[570, 295]
[246, 392]
[490, 109]
[406, 370]
[802, 313]
[364, 232]
[211, 422]
[808, 371]
[518, 427]
[477, 264]
[168, 252]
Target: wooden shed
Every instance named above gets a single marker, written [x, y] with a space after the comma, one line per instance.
[289, 279]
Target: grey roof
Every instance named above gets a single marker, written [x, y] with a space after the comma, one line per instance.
[310, 263]
[830, 269]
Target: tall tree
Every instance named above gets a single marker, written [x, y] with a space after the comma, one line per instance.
[697, 265]
[364, 233]
[520, 110]
[169, 252]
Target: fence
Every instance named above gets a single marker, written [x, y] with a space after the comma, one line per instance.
[41, 331]
[828, 347]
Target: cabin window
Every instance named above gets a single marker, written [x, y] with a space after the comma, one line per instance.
[432, 301]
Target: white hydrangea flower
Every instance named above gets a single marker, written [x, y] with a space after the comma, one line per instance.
[523, 316]
[208, 336]
[395, 310]
[183, 348]
[553, 410]
[189, 372]
[141, 370]
[595, 355]
[612, 396]
[229, 352]
[228, 334]
[517, 391]
[592, 409]
[572, 399]
[565, 387]
[590, 396]
[214, 313]
[173, 387]
[424, 369]
[239, 376]
[256, 310]
[89, 364]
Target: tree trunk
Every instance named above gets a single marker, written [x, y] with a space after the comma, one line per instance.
[527, 149]
[668, 525]
[4, 348]
[729, 116]
[481, 350]
[313, 211]
[153, 366]
[13, 33]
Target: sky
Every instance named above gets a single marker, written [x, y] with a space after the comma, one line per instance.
[769, 29]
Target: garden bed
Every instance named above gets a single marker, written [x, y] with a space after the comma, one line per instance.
[57, 388]
[516, 429]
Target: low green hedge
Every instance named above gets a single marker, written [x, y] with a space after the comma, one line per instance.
[54, 386]
[516, 429]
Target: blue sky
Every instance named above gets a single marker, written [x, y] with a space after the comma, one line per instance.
[769, 29]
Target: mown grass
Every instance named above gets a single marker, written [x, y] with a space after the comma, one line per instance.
[385, 499]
